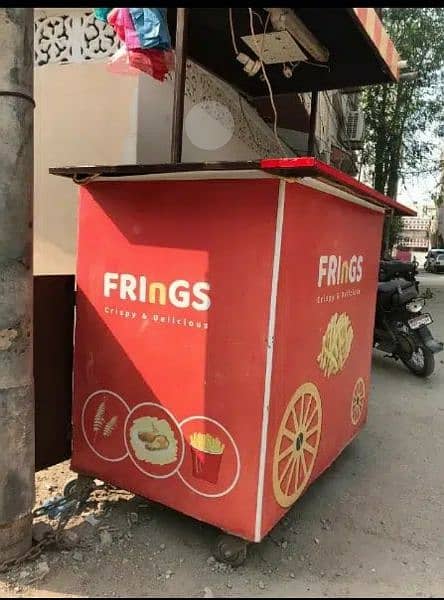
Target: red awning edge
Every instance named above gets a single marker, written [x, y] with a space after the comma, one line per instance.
[379, 38]
[312, 167]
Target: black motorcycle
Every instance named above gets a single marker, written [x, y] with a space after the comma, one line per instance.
[401, 326]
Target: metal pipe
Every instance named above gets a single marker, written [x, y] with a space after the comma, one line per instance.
[285, 19]
[179, 84]
[16, 281]
[312, 126]
[386, 231]
[411, 76]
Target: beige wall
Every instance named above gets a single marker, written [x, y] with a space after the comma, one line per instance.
[86, 115]
[82, 116]
[154, 127]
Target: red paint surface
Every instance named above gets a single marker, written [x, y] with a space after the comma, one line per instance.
[319, 224]
[309, 166]
[405, 255]
[196, 380]
[206, 466]
[216, 231]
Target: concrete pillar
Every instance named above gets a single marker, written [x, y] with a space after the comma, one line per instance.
[16, 279]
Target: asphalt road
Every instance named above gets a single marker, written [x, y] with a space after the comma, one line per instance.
[385, 494]
[371, 526]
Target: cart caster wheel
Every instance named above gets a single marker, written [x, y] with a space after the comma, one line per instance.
[80, 486]
[69, 488]
[231, 550]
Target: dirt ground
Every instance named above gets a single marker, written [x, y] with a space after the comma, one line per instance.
[372, 526]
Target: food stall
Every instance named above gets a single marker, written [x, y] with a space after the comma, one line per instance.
[224, 325]
[224, 332]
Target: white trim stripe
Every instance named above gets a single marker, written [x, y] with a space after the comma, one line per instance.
[269, 358]
[325, 187]
[187, 175]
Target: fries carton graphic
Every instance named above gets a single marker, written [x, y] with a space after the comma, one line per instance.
[206, 452]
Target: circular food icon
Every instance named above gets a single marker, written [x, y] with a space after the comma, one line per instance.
[154, 440]
[358, 401]
[103, 418]
[211, 465]
[336, 344]
[297, 444]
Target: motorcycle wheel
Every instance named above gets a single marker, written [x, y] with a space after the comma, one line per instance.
[421, 363]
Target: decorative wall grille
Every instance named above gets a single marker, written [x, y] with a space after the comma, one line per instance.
[74, 37]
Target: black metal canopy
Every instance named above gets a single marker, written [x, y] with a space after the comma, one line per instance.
[354, 60]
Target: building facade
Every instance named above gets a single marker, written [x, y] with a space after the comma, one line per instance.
[86, 114]
[440, 227]
[414, 240]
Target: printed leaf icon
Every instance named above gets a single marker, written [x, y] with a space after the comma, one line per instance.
[109, 427]
[99, 418]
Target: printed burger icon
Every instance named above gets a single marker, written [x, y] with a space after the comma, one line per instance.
[206, 452]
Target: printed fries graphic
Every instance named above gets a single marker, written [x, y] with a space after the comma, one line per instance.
[206, 443]
[336, 344]
[206, 452]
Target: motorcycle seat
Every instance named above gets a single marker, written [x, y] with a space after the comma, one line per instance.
[390, 268]
[396, 265]
[389, 287]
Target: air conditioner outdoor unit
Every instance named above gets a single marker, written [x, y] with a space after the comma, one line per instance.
[355, 126]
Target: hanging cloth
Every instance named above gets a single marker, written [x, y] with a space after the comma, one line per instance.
[154, 62]
[119, 63]
[121, 21]
[152, 27]
[146, 42]
[101, 13]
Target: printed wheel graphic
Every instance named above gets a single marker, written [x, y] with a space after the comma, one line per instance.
[297, 444]
[358, 400]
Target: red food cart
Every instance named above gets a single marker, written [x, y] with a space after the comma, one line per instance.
[225, 311]
[223, 332]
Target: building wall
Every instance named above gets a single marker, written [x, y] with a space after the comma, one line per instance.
[331, 134]
[440, 222]
[326, 127]
[415, 233]
[75, 124]
[331, 144]
[87, 115]
[224, 127]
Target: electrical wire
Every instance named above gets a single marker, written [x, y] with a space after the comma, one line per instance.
[267, 20]
[257, 142]
[270, 90]
[260, 18]
[264, 72]
[259, 52]
[233, 37]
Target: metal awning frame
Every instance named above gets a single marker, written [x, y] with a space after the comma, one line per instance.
[366, 18]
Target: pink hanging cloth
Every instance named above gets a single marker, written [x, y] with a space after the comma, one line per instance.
[132, 57]
[156, 63]
[121, 21]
